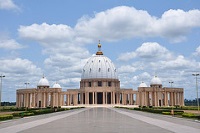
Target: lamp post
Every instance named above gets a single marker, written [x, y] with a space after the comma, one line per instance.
[1, 76]
[172, 111]
[197, 74]
[26, 84]
[171, 82]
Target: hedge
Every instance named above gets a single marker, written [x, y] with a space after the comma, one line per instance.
[166, 113]
[189, 115]
[5, 117]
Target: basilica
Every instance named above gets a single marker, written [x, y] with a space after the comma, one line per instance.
[99, 85]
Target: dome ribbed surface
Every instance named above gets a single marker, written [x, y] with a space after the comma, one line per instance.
[99, 66]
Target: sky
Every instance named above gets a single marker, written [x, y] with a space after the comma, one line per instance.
[143, 38]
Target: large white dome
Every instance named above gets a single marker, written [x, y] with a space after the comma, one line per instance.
[156, 81]
[43, 82]
[99, 66]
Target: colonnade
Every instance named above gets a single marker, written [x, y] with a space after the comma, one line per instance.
[161, 98]
[42, 99]
[143, 97]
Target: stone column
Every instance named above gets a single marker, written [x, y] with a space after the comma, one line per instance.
[156, 98]
[114, 97]
[52, 99]
[33, 100]
[103, 97]
[175, 98]
[93, 98]
[106, 97]
[111, 94]
[85, 97]
[172, 99]
[26, 100]
[68, 101]
[47, 99]
[81, 98]
[59, 99]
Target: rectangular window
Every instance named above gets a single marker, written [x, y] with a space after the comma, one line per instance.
[99, 83]
[109, 84]
[90, 84]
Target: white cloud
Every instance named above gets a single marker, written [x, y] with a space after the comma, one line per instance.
[179, 63]
[127, 22]
[10, 44]
[126, 69]
[8, 5]
[45, 33]
[18, 66]
[127, 56]
[148, 50]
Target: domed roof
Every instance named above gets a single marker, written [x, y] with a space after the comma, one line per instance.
[143, 84]
[99, 66]
[43, 82]
[56, 85]
[156, 81]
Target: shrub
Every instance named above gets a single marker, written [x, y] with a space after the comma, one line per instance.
[16, 114]
[42, 111]
[5, 117]
[27, 114]
[166, 113]
[189, 115]
[178, 112]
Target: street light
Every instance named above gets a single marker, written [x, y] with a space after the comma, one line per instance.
[26, 84]
[172, 111]
[197, 74]
[171, 82]
[1, 76]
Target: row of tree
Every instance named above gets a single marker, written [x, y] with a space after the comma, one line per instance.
[191, 102]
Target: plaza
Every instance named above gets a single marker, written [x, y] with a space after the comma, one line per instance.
[101, 120]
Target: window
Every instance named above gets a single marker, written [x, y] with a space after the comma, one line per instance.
[90, 69]
[99, 60]
[109, 83]
[108, 69]
[90, 84]
[99, 83]
[99, 69]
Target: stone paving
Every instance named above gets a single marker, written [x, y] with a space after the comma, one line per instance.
[100, 120]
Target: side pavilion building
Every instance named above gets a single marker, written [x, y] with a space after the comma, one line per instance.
[99, 85]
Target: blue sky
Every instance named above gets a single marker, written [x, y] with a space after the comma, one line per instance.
[56, 38]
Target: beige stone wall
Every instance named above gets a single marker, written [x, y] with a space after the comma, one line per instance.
[144, 96]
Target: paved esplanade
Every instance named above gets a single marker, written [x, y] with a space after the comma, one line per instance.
[100, 120]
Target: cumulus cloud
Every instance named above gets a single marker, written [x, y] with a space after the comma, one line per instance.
[150, 50]
[18, 66]
[127, 22]
[47, 33]
[126, 69]
[8, 5]
[10, 44]
[118, 23]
